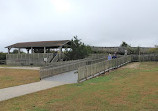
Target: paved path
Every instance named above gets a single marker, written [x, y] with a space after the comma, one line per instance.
[30, 68]
[11, 92]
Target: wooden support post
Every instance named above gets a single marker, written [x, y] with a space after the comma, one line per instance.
[19, 51]
[44, 49]
[139, 56]
[32, 50]
[60, 53]
[9, 50]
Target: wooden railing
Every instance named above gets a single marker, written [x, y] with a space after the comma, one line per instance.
[91, 67]
[50, 58]
[145, 57]
[92, 70]
[56, 58]
[51, 71]
[66, 66]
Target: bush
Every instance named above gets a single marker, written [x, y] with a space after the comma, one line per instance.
[16, 51]
[3, 56]
[78, 50]
[131, 50]
[154, 50]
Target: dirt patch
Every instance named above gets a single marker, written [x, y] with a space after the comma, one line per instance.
[134, 65]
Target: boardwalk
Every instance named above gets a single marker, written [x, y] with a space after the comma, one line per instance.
[11, 92]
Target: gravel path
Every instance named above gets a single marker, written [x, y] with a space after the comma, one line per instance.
[61, 79]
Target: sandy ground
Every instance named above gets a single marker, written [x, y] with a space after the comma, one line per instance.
[132, 65]
[29, 68]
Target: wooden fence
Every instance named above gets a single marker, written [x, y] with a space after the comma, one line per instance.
[91, 67]
[62, 67]
[36, 59]
[145, 57]
[51, 71]
[92, 70]
[65, 66]
[61, 63]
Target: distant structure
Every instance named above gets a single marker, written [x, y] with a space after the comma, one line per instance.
[143, 50]
[38, 59]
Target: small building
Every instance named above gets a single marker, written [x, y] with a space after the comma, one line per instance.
[38, 53]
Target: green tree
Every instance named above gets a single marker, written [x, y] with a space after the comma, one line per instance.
[124, 44]
[78, 50]
[130, 50]
[15, 51]
[156, 46]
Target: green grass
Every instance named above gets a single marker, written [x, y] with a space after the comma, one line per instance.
[5, 66]
[124, 89]
[15, 77]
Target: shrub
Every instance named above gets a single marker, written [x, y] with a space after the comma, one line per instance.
[78, 50]
[2, 56]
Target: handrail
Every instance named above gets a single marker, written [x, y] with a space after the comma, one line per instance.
[94, 69]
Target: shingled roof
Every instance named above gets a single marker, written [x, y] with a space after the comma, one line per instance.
[39, 44]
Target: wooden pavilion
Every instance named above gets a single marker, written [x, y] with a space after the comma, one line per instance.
[34, 57]
[39, 45]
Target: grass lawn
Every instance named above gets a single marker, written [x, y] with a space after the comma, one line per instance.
[6, 66]
[14, 77]
[131, 88]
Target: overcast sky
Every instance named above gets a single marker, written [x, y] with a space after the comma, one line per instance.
[96, 22]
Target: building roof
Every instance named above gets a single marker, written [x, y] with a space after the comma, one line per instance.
[40, 44]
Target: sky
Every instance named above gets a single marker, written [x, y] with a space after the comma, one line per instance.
[96, 22]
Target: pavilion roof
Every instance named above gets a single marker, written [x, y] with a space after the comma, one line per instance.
[40, 44]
